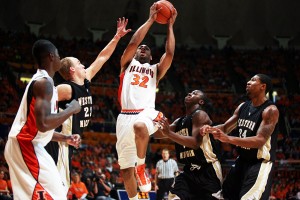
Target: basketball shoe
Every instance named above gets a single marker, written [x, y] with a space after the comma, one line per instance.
[143, 180]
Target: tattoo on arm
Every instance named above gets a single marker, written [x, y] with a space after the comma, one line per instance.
[268, 124]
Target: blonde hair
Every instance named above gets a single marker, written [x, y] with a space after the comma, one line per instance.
[64, 71]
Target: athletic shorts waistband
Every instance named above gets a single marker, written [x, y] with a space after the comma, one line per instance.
[131, 112]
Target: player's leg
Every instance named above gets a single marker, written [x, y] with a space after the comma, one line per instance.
[141, 141]
[207, 184]
[257, 181]
[144, 126]
[180, 189]
[129, 181]
[232, 184]
[126, 150]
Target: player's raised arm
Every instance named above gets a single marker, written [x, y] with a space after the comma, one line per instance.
[108, 50]
[167, 58]
[137, 38]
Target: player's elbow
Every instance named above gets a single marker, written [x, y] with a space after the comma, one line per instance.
[261, 142]
[43, 127]
[194, 146]
[170, 53]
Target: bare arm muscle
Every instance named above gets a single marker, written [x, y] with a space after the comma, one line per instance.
[270, 118]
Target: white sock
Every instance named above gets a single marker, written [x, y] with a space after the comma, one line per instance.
[140, 161]
[134, 198]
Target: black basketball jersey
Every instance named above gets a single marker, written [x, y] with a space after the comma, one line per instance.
[206, 153]
[249, 121]
[82, 94]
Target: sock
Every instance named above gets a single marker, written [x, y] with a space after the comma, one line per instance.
[140, 161]
[134, 198]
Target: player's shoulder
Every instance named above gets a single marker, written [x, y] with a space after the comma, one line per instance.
[243, 104]
[200, 114]
[64, 92]
[176, 121]
[64, 86]
[271, 109]
[42, 86]
[42, 83]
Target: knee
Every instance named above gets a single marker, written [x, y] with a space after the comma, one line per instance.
[140, 129]
[127, 173]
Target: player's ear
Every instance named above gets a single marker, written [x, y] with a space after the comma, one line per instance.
[72, 69]
[263, 86]
[201, 102]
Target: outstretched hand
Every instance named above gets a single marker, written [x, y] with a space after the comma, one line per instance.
[121, 27]
[74, 140]
[164, 126]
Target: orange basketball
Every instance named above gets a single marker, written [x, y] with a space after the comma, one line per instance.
[165, 13]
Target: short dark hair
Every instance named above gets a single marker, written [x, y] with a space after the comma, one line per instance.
[207, 106]
[41, 48]
[266, 80]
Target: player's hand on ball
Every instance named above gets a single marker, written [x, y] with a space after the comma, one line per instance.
[153, 12]
[173, 17]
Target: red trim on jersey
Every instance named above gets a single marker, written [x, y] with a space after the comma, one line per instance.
[25, 137]
[131, 111]
[40, 193]
[120, 88]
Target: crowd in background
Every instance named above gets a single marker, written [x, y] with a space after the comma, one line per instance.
[222, 74]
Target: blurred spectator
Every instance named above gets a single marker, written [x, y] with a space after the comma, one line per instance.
[77, 189]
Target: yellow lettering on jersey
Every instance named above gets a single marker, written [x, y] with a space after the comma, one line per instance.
[187, 154]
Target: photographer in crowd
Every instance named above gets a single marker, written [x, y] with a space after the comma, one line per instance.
[102, 188]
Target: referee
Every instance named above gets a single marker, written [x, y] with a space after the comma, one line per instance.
[166, 169]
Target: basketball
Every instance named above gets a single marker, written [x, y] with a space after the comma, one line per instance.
[166, 11]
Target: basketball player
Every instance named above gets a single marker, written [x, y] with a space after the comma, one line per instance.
[202, 174]
[77, 86]
[138, 81]
[256, 123]
[32, 170]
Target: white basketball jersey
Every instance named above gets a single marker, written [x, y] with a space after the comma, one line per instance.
[24, 117]
[32, 170]
[138, 88]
